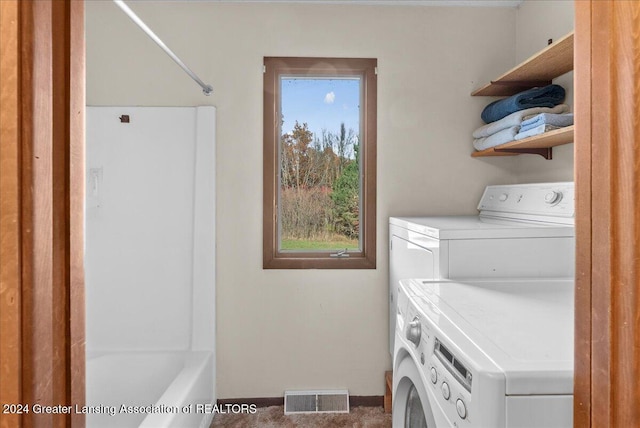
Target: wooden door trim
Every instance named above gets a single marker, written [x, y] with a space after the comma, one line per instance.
[582, 160]
[42, 154]
[77, 103]
[10, 225]
[608, 214]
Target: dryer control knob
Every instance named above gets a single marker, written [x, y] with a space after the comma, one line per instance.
[553, 197]
[446, 392]
[503, 197]
[414, 331]
[461, 408]
[434, 375]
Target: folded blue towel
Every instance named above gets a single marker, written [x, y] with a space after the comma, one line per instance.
[547, 96]
[559, 120]
[537, 130]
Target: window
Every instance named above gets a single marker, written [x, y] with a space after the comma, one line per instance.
[319, 163]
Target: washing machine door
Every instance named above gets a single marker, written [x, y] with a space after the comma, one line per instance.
[411, 407]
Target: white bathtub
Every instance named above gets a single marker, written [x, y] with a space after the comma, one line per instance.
[155, 389]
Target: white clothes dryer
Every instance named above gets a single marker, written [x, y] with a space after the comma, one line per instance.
[522, 230]
[494, 353]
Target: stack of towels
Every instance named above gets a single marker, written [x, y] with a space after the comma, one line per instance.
[523, 115]
[543, 122]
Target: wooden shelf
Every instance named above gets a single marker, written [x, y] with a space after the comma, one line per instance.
[538, 144]
[539, 70]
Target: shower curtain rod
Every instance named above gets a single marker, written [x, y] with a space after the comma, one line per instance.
[206, 89]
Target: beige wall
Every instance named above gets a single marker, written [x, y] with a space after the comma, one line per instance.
[536, 22]
[277, 329]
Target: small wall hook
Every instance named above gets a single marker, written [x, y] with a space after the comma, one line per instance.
[124, 118]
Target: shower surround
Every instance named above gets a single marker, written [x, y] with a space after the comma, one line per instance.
[150, 266]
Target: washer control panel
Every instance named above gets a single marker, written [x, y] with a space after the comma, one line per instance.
[451, 382]
[453, 364]
[529, 201]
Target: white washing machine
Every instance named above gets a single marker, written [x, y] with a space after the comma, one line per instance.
[493, 353]
[523, 230]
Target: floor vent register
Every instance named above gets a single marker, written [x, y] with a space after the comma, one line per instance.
[328, 401]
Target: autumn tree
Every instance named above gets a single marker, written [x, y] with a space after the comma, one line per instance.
[294, 156]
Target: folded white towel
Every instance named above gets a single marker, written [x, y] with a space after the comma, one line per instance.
[501, 137]
[516, 119]
[535, 131]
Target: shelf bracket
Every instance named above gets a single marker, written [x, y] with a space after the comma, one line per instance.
[545, 152]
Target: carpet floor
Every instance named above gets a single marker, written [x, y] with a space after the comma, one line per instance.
[274, 417]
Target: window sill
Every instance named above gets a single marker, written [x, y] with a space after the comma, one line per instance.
[312, 261]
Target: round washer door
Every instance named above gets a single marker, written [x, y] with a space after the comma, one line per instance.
[411, 407]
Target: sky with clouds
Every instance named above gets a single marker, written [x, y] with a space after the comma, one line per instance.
[321, 103]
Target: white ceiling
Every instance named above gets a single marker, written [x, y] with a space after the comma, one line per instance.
[467, 3]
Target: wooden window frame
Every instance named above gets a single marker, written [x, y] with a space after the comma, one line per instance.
[365, 68]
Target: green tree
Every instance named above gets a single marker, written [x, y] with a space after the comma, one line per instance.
[343, 143]
[346, 198]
